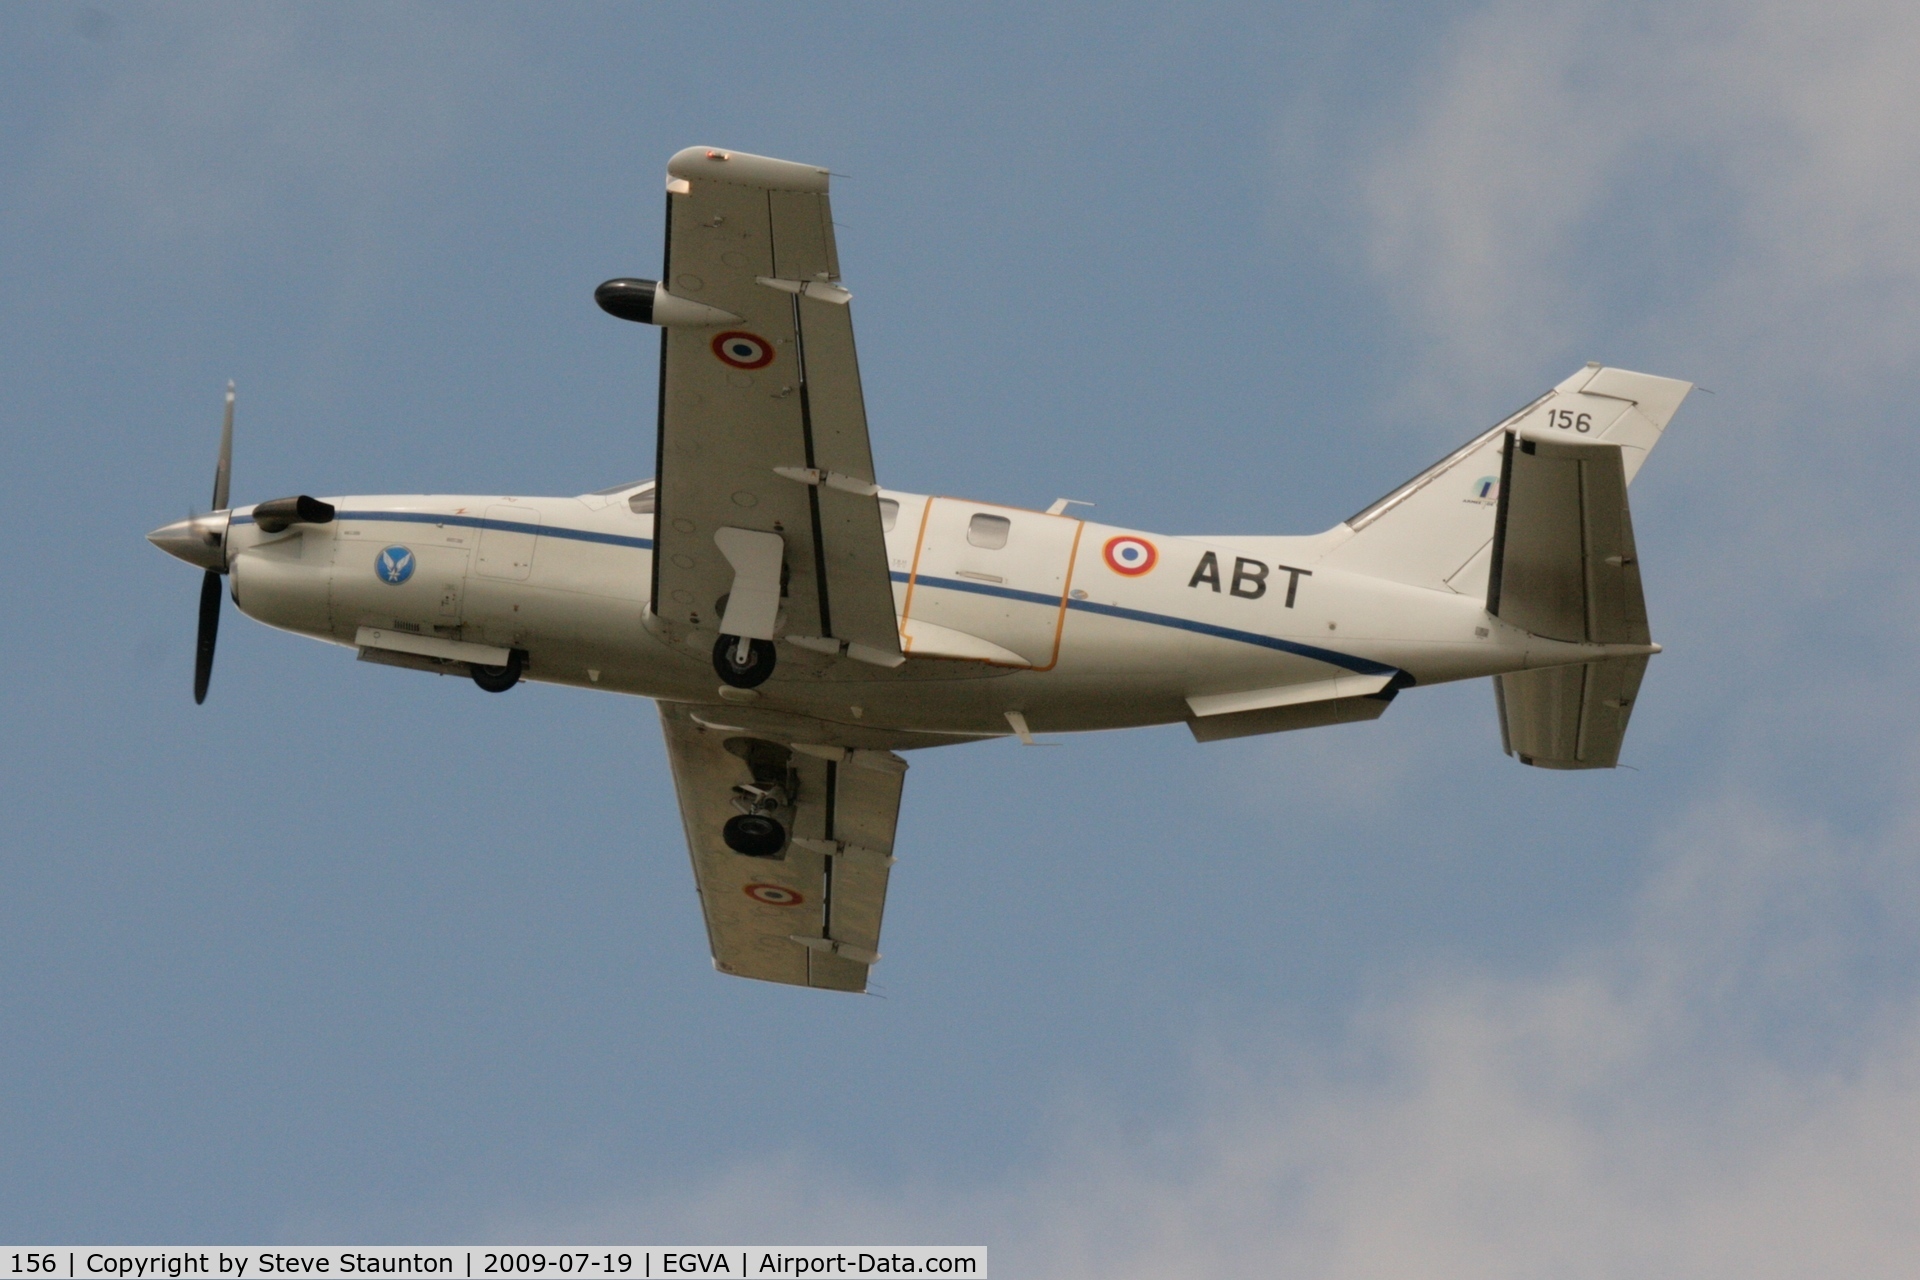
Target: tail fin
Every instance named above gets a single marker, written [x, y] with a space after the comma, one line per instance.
[1436, 530]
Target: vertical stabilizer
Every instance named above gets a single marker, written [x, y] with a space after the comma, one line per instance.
[1436, 530]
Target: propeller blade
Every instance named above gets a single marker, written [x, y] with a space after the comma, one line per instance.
[209, 631]
[223, 470]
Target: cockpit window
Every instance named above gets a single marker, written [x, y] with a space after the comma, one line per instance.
[889, 514]
[642, 503]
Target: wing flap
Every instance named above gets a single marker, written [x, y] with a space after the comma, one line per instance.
[854, 562]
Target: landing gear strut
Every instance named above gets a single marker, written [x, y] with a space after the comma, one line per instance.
[501, 679]
[743, 663]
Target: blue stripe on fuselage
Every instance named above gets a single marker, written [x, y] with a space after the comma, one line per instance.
[480, 522]
[1363, 666]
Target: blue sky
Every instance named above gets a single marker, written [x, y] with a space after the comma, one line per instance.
[355, 954]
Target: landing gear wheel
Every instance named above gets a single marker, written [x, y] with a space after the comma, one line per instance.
[754, 834]
[501, 679]
[760, 658]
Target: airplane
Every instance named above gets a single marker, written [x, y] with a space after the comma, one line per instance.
[799, 626]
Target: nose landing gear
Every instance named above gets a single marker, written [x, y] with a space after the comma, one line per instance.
[743, 663]
[501, 679]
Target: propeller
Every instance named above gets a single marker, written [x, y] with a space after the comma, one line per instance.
[209, 632]
[210, 582]
[202, 542]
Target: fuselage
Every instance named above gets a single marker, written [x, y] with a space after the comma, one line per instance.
[1071, 624]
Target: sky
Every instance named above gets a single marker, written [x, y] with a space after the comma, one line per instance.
[351, 954]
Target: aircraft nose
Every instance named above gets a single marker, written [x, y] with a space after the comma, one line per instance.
[199, 540]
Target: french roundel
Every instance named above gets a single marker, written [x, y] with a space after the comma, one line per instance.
[774, 895]
[1130, 557]
[743, 350]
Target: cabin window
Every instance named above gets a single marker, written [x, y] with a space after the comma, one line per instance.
[989, 532]
[889, 514]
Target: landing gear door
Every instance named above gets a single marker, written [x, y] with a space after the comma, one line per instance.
[1000, 574]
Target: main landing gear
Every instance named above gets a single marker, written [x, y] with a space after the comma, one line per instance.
[743, 663]
[757, 835]
[754, 831]
[501, 679]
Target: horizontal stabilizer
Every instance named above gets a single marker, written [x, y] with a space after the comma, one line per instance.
[1301, 715]
[1568, 717]
[1563, 563]
[1346, 686]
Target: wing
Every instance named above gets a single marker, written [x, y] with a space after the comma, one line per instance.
[809, 915]
[762, 424]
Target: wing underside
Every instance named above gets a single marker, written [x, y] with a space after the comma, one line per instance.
[762, 423]
[811, 915]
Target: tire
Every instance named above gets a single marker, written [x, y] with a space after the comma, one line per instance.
[755, 835]
[501, 679]
[759, 663]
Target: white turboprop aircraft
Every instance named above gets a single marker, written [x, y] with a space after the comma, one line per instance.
[845, 622]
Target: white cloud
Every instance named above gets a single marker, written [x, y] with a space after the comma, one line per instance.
[1786, 134]
[1677, 1104]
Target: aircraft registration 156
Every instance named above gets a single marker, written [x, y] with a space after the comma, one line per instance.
[800, 626]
